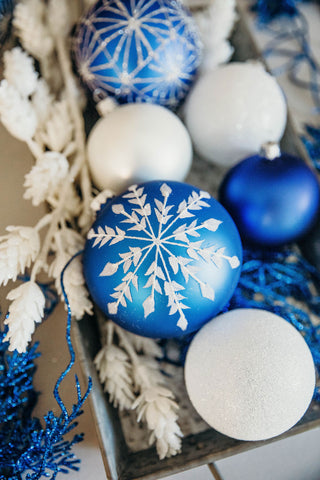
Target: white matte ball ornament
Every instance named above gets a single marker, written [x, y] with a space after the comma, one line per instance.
[250, 374]
[137, 143]
[232, 111]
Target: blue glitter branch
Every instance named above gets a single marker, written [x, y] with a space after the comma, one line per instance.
[311, 142]
[6, 14]
[29, 450]
[268, 10]
[297, 60]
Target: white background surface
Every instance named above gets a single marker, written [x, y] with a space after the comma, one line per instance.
[297, 458]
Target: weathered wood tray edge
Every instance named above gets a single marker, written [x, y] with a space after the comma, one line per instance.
[207, 446]
[121, 464]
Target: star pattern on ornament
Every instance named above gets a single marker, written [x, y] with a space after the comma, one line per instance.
[143, 50]
[165, 269]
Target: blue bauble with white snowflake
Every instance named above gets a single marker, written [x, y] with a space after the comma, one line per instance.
[273, 200]
[138, 51]
[162, 259]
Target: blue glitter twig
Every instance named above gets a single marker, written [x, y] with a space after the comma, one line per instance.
[29, 451]
[295, 28]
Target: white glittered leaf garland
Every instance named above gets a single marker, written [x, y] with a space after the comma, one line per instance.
[26, 309]
[18, 249]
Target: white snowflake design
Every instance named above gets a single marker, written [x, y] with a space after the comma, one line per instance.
[164, 268]
[138, 50]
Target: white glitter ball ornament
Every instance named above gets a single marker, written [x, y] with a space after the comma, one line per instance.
[232, 111]
[250, 374]
[136, 143]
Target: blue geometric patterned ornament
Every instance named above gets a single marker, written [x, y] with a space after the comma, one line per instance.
[138, 51]
[162, 259]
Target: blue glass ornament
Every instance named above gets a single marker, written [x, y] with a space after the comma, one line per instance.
[162, 259]
[138, 51]
[272, 201]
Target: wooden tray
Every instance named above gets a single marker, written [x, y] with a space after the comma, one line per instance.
[124, 457]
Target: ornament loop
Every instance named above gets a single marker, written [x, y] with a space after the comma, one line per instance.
[270, 150]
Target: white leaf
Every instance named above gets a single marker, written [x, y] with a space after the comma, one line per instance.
[139, 191]
[159, 273]
[234, 262]
[212, 224]
[217, 260]
[109, 269]
[182, 206]
[136, 255]
[185, 273]
[182, 237]
[159, 205]
[166, 218]
[120, 232]
[135, 201]
[204, 194]
[17, 113]
[180, 229]
[127, 265]
[150, 282]
[122, 301]
[177, 287]
[157, 286]
[134, 281]
[18, 250]
[57, 131]
[117, 208]
[32, 32]
[193, 233]
[116, 295]
[42, 101]
[193, 254]
[115, 373]
[173, 308]
[165, 190]
[112, 308]
[138, 227]
[26, 309]
[201, 203]
[20, 72]
[185, 214]
[130, 194]
[158, 215]
[205, 254]
[182, 322]
[151, 269]
[116, 240]
[148, 306]
[207, 291]
[174, 264]
[143, 200]
[45, 178]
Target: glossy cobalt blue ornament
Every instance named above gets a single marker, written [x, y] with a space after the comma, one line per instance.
[162, 259]
[138, 50]
[273, 198]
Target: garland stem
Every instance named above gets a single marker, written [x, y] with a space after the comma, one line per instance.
[82, 167]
